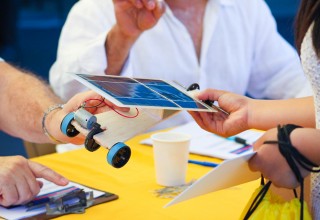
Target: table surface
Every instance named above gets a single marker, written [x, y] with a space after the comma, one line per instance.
[135, 183]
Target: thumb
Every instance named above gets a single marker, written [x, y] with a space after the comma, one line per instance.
[210, 94]
[41, 171]
[254, 163]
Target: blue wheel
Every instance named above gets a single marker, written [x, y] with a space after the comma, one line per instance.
[66, 127]
[118, 155]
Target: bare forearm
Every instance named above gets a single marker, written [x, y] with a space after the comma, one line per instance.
[23, 102]
[306, 140]
[117, 46]
[266, 114]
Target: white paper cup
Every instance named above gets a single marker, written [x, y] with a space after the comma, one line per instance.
[171, 153]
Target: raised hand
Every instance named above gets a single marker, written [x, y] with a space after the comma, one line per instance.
[135, 16]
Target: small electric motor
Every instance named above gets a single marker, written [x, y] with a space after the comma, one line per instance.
[86, 123]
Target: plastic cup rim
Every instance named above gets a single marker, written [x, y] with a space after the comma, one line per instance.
[182, 137]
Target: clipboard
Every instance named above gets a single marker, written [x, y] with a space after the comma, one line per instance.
[21, 211]
[107, 197]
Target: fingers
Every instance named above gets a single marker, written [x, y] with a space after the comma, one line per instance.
[148, 4]
[27, 188]
[197, 117]
[207, 119]
[137, 3]
[40, 183]
[254, 163]
[159, 9]
[123, 109]
[17, 183]
[260, 163]
[212, 122]
[268, 135]
[41, 171]
[91, 99]
[102, 105]
[273, 166]
[278, 176]
[9, 195]
[157, 6]
[258, 143]
[113, 106]
[211, 94]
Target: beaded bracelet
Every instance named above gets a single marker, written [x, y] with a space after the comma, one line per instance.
[45, 131]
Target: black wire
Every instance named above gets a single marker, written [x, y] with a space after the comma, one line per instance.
[293, 158]
[95, 106]
[258, 199]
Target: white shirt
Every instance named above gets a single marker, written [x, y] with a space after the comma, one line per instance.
[241, 51]
[1, 60]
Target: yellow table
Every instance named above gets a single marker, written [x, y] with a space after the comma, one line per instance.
[135, 182]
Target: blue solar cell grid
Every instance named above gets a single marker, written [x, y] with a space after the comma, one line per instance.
[142, 92]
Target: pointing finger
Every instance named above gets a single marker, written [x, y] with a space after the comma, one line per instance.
[41, 171]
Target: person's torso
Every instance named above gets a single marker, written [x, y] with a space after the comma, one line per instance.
[227, 48]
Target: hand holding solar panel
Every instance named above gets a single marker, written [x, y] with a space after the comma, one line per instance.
[148, 99]
[142, 93]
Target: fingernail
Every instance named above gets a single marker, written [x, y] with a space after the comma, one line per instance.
[151, 4]
[139, 4]
[64, 180]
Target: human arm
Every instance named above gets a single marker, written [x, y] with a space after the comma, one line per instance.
[275, 167]
[132, 19]
[24, 99]
[82, 45]
[246, 113]
[18, 183]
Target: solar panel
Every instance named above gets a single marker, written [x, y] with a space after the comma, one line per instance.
[141, 92]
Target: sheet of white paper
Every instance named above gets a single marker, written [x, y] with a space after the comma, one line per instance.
[48, 187]
[229, 173]
[209, 144]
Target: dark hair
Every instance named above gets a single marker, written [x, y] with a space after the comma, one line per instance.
[309, 12]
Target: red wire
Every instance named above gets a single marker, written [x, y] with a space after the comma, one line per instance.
[96, 106]
[106, 104]
[126, 116]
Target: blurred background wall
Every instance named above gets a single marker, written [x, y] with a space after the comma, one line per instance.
[30, 29]
[29, 33]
